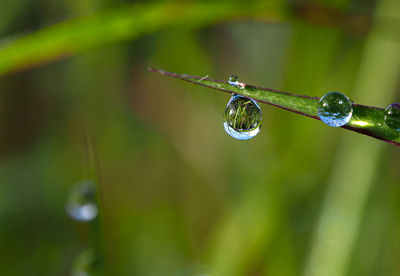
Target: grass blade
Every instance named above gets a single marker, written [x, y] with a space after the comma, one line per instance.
[127, 22]
[367, 120]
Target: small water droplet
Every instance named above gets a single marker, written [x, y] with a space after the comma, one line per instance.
[242, 118]
[233, 80]
[85, 264]
[335, 109]
[392, 116]
[81, 202]
[241, 85]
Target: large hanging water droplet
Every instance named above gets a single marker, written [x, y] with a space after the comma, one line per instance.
[242, 118]
[335, 109]
[392, 116]
[81, 202]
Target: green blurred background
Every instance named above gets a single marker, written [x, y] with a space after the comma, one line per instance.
[178, 196]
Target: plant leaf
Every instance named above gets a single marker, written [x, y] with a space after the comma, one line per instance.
[367, 120]
[127, 22]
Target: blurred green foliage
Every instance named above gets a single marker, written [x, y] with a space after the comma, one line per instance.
[176, 192]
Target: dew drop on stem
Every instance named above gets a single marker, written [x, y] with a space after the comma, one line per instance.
[233, 80]
[335, 109]
[392, 116]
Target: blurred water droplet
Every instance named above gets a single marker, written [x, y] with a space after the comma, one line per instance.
[81, 202]
[335, 109]
[392, 116]
[195, 271]
[85, 264]
[242, 118]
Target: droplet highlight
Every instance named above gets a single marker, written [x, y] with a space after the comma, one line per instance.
[81, 202]
[335, 109]
[242, 118]
[392, 116]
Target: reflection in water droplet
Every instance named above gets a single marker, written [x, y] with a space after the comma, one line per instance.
[242, 118]
[335, 109]
[81, 202]
[195, 271]
[85, 264]
[392, 116]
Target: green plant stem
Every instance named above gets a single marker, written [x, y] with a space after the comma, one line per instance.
[367, 120]
[96, 229]
[131, 21]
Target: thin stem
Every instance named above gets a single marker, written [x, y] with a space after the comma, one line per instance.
[367, 120]
[96, 231]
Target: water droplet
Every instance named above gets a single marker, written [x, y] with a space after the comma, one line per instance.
[85, 264]
[195, 271]
[392, 116]
[233, 80]
[240, 85]
[81, 202]
[242, 118]
[335, 109]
